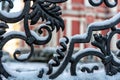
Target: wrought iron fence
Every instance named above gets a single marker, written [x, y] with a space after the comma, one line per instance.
[50, 12]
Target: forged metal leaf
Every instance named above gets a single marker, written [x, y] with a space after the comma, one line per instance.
[35, 19]
[2, 32]
[3, 26]
[47, 12]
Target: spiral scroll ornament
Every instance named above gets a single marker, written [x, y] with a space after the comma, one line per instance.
[50, 14]
[56, 60]
[108, 3]
[32, 12]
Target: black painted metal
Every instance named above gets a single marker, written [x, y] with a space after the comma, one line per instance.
[107, 3]
[48, 11]
[89, 70]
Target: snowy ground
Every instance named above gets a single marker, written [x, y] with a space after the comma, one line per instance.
[29, 71]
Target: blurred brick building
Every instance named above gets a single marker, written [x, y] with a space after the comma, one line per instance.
[77, 15]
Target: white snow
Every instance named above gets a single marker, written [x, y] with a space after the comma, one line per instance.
[24, 56]
[97, 26]
[18, 6]
[96, 1]
[80, 36]
[106, 22]
[112, 2]
[62, 40]
[29, 71]
[115, 58]
[13, 32]
[48, 50]
[24, 71]
[51, 61]
[38, 37]
[15, 11]
[11, 15]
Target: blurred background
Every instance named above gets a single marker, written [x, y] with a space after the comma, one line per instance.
[77, 15]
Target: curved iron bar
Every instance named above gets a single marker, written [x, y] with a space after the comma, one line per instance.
[96, 26]
[82, 53]
[14, 19]
[10, 3]
[2, 70]
[55, 1]
[97, 3]
[48, 11]
[56, 60]
[46, 39]
[89, 70]
[107, 3]
[112, 66]
[13, 35]
[111, 63]
[31, 36]
[110, 4]
[107, 57]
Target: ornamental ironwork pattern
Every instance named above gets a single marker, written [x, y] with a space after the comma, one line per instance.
[50, 12]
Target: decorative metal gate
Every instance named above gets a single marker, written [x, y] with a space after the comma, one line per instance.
[50, 12]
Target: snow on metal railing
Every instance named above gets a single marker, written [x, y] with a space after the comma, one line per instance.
[50, 12]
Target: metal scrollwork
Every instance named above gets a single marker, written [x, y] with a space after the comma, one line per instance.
[106, 2]
[110, 61]
[46, 10]
[49, 13]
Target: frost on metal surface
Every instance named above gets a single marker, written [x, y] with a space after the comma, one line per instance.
[50, 13]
